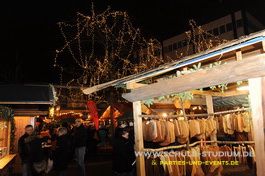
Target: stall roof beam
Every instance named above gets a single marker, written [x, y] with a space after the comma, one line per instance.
[251, 67]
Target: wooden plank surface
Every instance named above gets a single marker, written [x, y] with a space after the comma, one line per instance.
[220, 94]
[251, 67]
[256, 99]
[134, 85]
[139, 141]
[7, 159]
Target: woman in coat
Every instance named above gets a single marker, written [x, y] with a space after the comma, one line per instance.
[123, 155]
[60, 158]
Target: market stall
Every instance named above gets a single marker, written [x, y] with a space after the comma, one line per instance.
[6, 140]
[242, 63]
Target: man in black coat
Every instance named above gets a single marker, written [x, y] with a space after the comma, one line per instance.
[80, 142]
[23, 152]
[35, 152]
[123, 155]
[60, 156]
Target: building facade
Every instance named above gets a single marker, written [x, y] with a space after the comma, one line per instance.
[228, 27]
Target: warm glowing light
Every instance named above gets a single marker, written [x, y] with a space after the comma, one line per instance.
[243, 88]
[181, 118]
[164, 114]
[52, 111]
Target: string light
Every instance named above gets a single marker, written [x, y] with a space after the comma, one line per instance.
[102, 47]
[200, 39]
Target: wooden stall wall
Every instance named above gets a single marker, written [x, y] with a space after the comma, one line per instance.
[20, 122]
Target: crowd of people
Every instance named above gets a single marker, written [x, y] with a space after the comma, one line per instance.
[52, 147]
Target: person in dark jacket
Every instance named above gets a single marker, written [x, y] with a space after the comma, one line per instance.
[103, 134]
[34, 151]
[60, 158]
[80, 142]
[92, 141]
[22, 151]
[122, 155]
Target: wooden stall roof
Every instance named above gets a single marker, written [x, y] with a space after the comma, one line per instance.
[24, 94]
[215, 53]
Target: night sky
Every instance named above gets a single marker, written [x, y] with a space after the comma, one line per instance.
[29, 34]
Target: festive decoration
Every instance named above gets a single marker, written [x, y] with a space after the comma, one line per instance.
[65, 116]
[54, 93]
[183, 97]
[201, 39]
[104, 47]
[93, 112]
[148, 102]
[8, 114]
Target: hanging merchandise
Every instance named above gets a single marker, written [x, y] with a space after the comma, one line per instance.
[160, 137]
[193, 161]
[149, 130]
[246, 119]
[240, 122]
[227, 156]
[202, 123]
[194, 128]
[153, 166]
[170, 133]
[184, 126]
[211, 127]
[194, 157]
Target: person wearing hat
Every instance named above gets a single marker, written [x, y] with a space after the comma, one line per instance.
[123, 154]
[80, 142]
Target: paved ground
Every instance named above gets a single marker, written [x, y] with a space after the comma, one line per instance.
[95, 166]
[241, 170]
[100, 166]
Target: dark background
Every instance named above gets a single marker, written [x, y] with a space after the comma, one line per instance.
[29, 34]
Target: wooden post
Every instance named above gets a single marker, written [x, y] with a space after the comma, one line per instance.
[257, 105]
[9, 137]
[238, 55]
[209, 103]
[112, 119]
[139, 141]
[263, 45]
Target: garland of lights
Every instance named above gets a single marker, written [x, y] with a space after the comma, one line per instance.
[102, 47]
